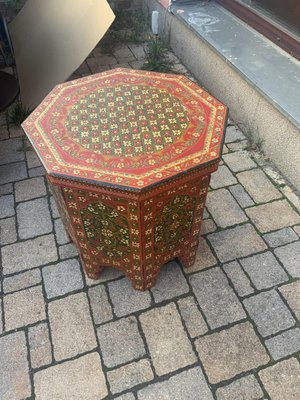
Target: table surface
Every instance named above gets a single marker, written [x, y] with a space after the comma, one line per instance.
[127, 128]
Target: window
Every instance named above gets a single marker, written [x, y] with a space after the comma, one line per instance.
[279, 20]
[285, 13]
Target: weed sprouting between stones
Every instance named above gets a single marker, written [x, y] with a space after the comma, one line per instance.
[18, 113]
[156, 58]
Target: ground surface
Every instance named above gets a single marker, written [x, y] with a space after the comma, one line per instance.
[227, 329]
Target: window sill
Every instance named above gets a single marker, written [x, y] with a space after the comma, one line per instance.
[273, 72]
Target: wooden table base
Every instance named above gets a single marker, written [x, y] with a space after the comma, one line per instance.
[134, 232]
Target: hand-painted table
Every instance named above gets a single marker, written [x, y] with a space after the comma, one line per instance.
[129, 155]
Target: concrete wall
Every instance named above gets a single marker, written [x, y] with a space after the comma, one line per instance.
[248, 108]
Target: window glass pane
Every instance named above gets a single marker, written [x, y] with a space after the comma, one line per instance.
[285, 12]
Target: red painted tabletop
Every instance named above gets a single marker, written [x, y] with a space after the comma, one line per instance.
[127, 128]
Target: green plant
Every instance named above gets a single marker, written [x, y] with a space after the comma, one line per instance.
[15, 4]
[156, 59]
[18, 113]
[128, 27]
[9, 8]
[137, 31]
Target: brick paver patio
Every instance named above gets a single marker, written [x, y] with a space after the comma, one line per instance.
[226, 329]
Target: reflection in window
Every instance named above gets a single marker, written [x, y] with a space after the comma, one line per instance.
[284, 12]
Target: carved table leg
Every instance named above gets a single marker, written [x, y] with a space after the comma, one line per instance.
[91, 271]
[90, 264]
[188, 259]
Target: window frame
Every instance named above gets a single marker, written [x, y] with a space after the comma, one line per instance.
[269, 28]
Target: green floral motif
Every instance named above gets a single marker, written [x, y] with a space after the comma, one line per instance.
[106, 229]
[173, 223]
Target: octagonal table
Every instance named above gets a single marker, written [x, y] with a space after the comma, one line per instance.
[129, 155]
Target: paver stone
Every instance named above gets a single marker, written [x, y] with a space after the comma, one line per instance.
[230, 352]
[282, 380]
[14, 372]
[164, 332]
[79, 379]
